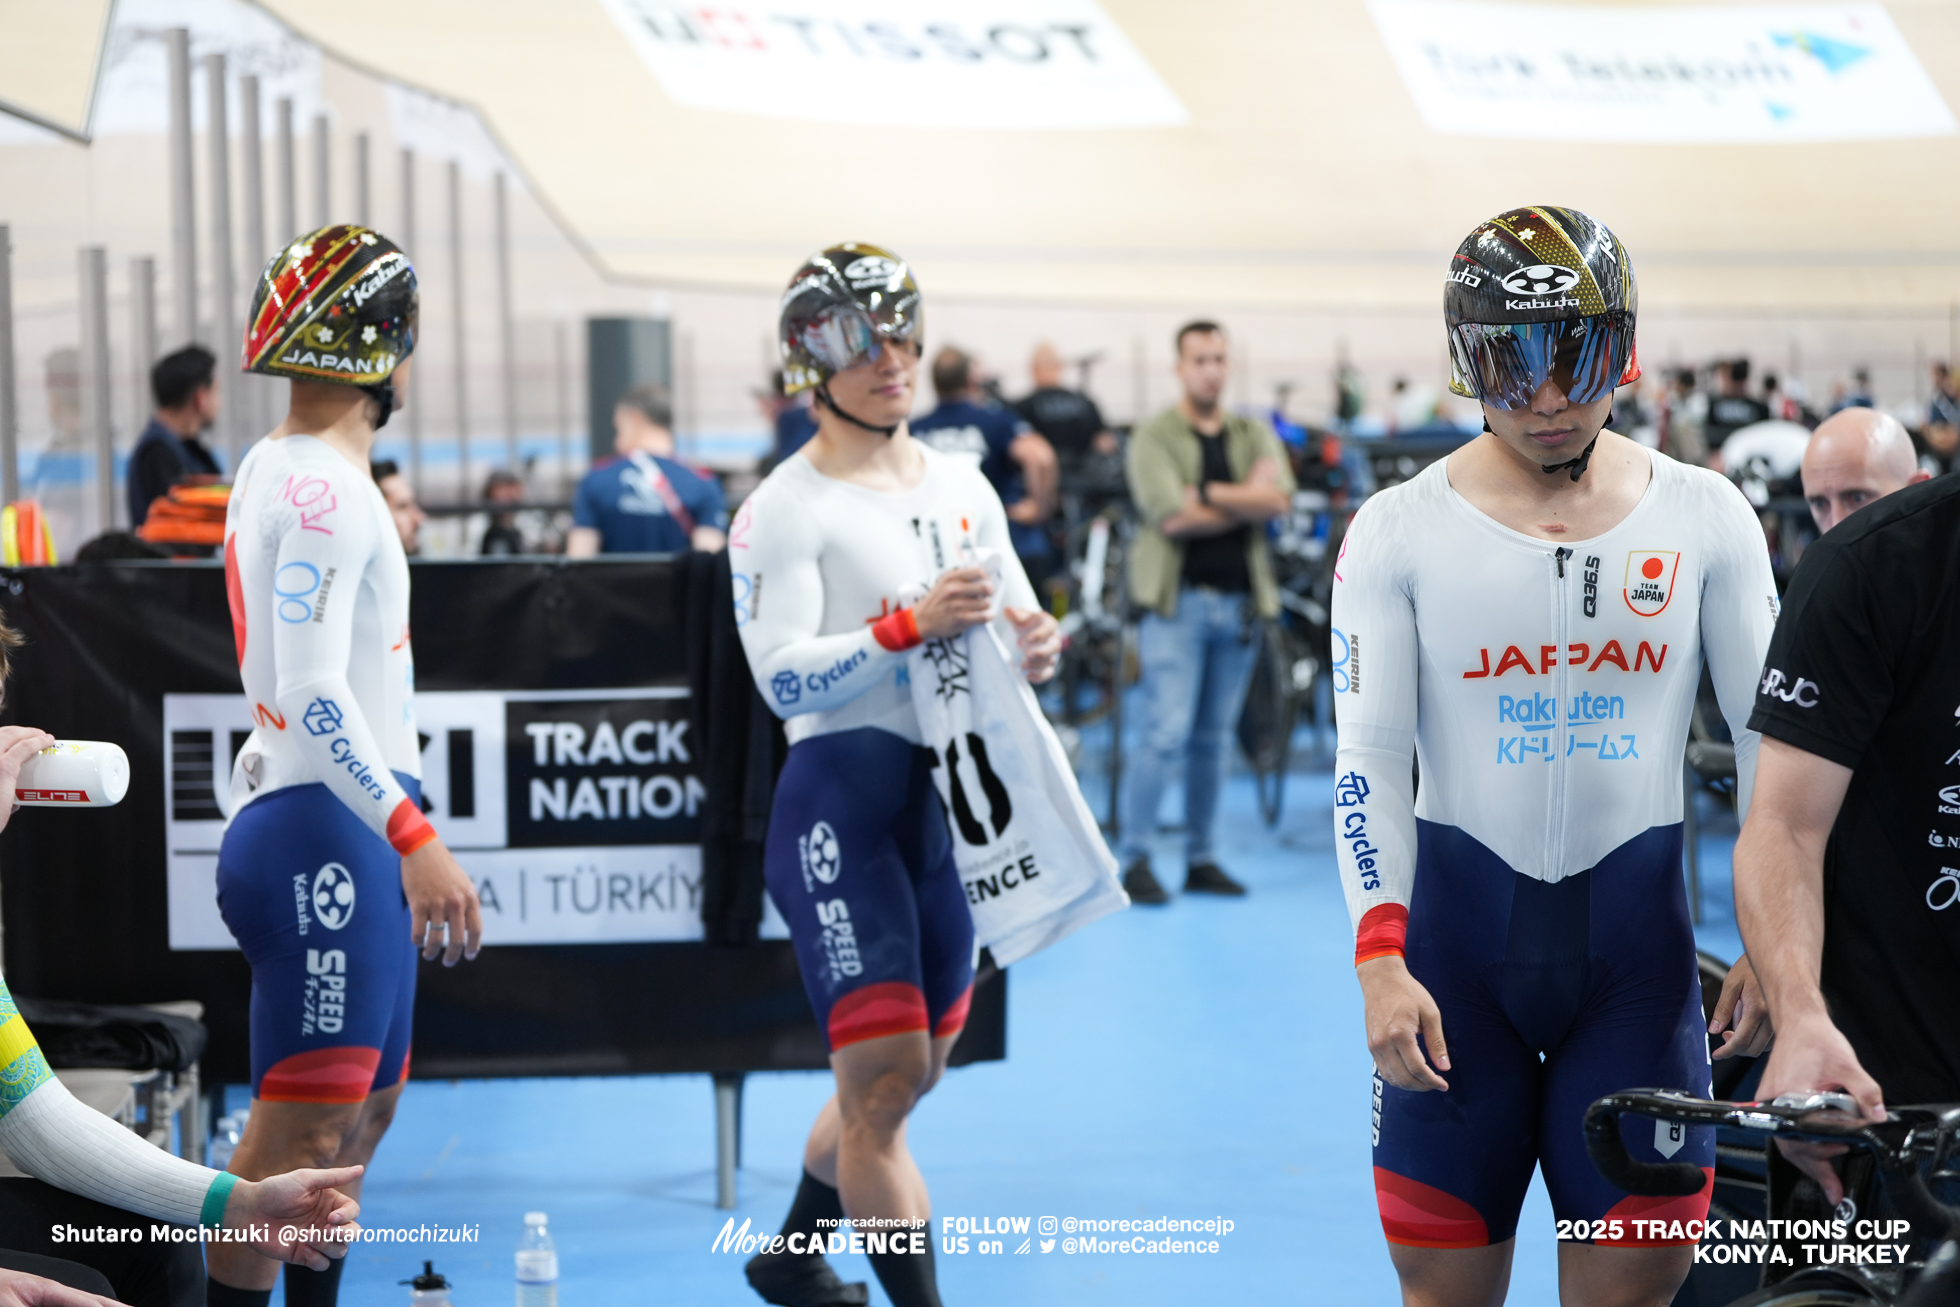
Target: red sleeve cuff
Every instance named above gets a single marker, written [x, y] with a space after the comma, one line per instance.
[897, 631]
[1383, 928]
[408, 829]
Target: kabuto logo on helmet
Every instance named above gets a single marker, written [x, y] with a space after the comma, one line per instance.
[1541, 279]
[872, 270]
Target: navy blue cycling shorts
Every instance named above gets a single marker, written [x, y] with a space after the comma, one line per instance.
[1551, 996]
[314, 898]
[860, 863]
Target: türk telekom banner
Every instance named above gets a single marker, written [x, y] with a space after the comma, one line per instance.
[949, 63]
[1661, 73]
[577, 812]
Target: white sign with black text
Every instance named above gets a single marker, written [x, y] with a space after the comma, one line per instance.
[576, 811]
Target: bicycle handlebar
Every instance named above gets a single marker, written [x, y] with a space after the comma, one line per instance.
[1897, 1144]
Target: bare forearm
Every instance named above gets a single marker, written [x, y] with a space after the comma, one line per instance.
[1244, 502]
[1779, 905]
[1198, 520]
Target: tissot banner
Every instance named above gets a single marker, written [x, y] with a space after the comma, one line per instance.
[950, 63]
[1661, 73]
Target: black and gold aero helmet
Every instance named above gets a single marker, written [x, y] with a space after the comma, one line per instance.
[338, 304]
[1540, 293]
[838, 308]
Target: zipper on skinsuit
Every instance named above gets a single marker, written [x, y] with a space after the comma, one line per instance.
[1562, 631]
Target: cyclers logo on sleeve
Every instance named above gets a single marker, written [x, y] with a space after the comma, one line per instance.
[333, 896]
[821, 856]
[1804, 693]
[787, 687]
[1351, 791]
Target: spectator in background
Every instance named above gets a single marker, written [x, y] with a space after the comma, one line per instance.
[501, 537]
[1732, 407]
[1859, 395]
[185, 387]
[1684, 412]
[646, 501]
[1205, 483]
[1067, 419]
[1939, 439]
[1781, 406]
[789, 417]
[1854, 458]
[402, 506]
[1020, 464]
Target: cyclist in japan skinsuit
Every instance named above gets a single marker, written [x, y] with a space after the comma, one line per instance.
[1530, 617]
[853, 551]
[329, 876]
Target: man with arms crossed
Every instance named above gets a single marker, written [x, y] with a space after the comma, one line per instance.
[1530, 617]
[329, 876]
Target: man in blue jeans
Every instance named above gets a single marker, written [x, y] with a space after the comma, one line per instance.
[1205, 483]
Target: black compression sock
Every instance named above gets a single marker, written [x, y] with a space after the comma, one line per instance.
[310, 1288]
[223, 1295]
[815, 1201]
[908, 1277]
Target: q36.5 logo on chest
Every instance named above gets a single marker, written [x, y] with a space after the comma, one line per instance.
[1650, 581]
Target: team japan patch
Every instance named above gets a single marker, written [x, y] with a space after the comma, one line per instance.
[1650, 581]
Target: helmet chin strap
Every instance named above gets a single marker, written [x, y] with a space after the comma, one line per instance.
[384, 394]
[1578, 465]
[823, 394]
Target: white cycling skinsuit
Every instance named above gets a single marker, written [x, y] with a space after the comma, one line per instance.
[1533, 880]
[319, 601]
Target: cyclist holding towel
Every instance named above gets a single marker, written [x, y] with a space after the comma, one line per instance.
[827, 556]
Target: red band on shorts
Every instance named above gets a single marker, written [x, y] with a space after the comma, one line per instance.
[897, 631]
[1418, 1215]
[889, 1008]
[953, 1020]
[408, 829]
[1688, 1207]
[323, 1075]
[1383, 928]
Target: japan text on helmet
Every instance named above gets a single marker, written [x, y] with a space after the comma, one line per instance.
[339, 305]
[1537, 293]
[840, 304]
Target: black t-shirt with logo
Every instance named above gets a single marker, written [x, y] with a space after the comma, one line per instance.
[1864, 669]
[1068, 419]
[1727, 413]
[1217, 562]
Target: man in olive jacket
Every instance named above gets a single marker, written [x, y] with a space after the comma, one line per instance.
[1205, 483]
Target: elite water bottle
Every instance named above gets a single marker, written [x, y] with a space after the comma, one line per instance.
[428, 1289]
[537, 1264]
[74, 774]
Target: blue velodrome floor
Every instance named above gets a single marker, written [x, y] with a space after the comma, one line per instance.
[1203, 1060]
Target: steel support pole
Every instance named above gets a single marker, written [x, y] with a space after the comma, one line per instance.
[254, 394]
[506, 328]
[288, 177]
[460, 327]
[183, 203]
[224, 288]
[142, 336]
[363, 213]
[405, 237]
[562, 362]
[96, 427]
[9, 398]
[322, 171]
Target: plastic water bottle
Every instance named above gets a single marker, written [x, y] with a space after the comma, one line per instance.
[428, 1289]
[231, 1128]
[537, 1264]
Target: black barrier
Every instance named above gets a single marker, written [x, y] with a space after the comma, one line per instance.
[88, 908]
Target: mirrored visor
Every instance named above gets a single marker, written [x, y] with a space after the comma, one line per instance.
[1504, 366]
[844, 335]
